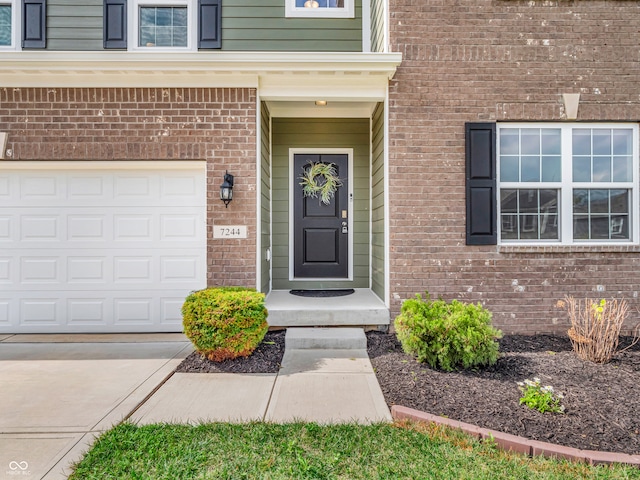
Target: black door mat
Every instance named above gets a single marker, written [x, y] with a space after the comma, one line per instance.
[323, 293]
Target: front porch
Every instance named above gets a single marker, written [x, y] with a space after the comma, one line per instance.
[362, 308]
[300, 242]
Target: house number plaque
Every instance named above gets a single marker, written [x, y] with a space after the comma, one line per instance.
[230, 231]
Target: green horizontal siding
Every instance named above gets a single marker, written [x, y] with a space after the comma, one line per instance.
[74, 25]
[377, 203]
[265, 198]
[261, 25]
[254, 25]
[320, 133]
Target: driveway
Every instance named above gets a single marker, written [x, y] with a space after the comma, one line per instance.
[61, 391]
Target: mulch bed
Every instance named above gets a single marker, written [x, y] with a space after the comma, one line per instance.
[266, 358]
[602, 401]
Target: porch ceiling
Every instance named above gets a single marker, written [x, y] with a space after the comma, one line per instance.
[335, 108]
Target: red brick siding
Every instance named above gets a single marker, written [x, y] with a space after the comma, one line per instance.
[488, 60]
[217, 125]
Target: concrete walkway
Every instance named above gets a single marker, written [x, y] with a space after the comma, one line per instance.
[57, 397]
[60, 391]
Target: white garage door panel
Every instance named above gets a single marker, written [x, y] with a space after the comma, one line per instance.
[5, 306]
[100, 250]
[91, 188]
[5, 270]
[132, 311]
[119, 269]
[88, 227]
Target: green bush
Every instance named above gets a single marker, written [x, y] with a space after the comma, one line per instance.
[225, 322]
[447, 335]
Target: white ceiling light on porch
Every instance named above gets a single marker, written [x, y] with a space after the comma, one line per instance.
[311, 4]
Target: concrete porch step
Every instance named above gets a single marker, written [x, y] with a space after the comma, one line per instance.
[363, 308]
[325, 338]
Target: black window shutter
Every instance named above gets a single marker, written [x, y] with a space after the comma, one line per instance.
[481, 183]
[209, 23]
[114, 29]
[34, 18]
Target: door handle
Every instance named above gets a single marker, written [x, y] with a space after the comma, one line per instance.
[345, 228]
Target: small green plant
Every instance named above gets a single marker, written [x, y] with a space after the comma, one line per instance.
[447, 335]
[544, 399]
[225, 322]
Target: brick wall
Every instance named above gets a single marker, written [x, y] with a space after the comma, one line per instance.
[492, 60]
[216, 125]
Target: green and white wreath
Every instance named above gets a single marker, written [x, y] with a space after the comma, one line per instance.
[320, 180]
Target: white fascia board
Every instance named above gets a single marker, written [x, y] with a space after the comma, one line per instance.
[182, 69]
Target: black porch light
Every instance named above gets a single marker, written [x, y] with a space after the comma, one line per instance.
[226, 189]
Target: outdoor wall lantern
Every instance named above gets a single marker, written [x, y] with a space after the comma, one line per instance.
[226, 189]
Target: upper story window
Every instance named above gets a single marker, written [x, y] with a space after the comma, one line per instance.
[9, 10]
[163, 24]
[320, 8]
[568, 183]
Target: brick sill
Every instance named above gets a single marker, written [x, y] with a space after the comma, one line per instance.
[569, 249]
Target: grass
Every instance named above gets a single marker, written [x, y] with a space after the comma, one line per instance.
[309, 451]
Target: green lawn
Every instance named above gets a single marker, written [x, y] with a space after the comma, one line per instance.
[303, 450]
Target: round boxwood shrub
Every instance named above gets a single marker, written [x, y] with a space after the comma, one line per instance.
[447, 335]
[225, 322]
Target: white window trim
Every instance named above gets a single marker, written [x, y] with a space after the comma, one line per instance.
[16, 7]
[134, 14]
[348, 11]
[566, 186]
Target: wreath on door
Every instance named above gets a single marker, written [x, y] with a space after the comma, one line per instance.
[320, 180]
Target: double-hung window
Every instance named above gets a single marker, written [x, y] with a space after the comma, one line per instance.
[9, 21]
[163, 24]
[568, 183]
[320, 8]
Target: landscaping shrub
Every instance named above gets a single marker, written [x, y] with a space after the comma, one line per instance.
[225, 322]
[595, 326]
[447, 335]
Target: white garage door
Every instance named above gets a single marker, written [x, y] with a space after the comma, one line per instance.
[100, 246]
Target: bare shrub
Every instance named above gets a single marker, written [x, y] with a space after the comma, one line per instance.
[595, 326]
